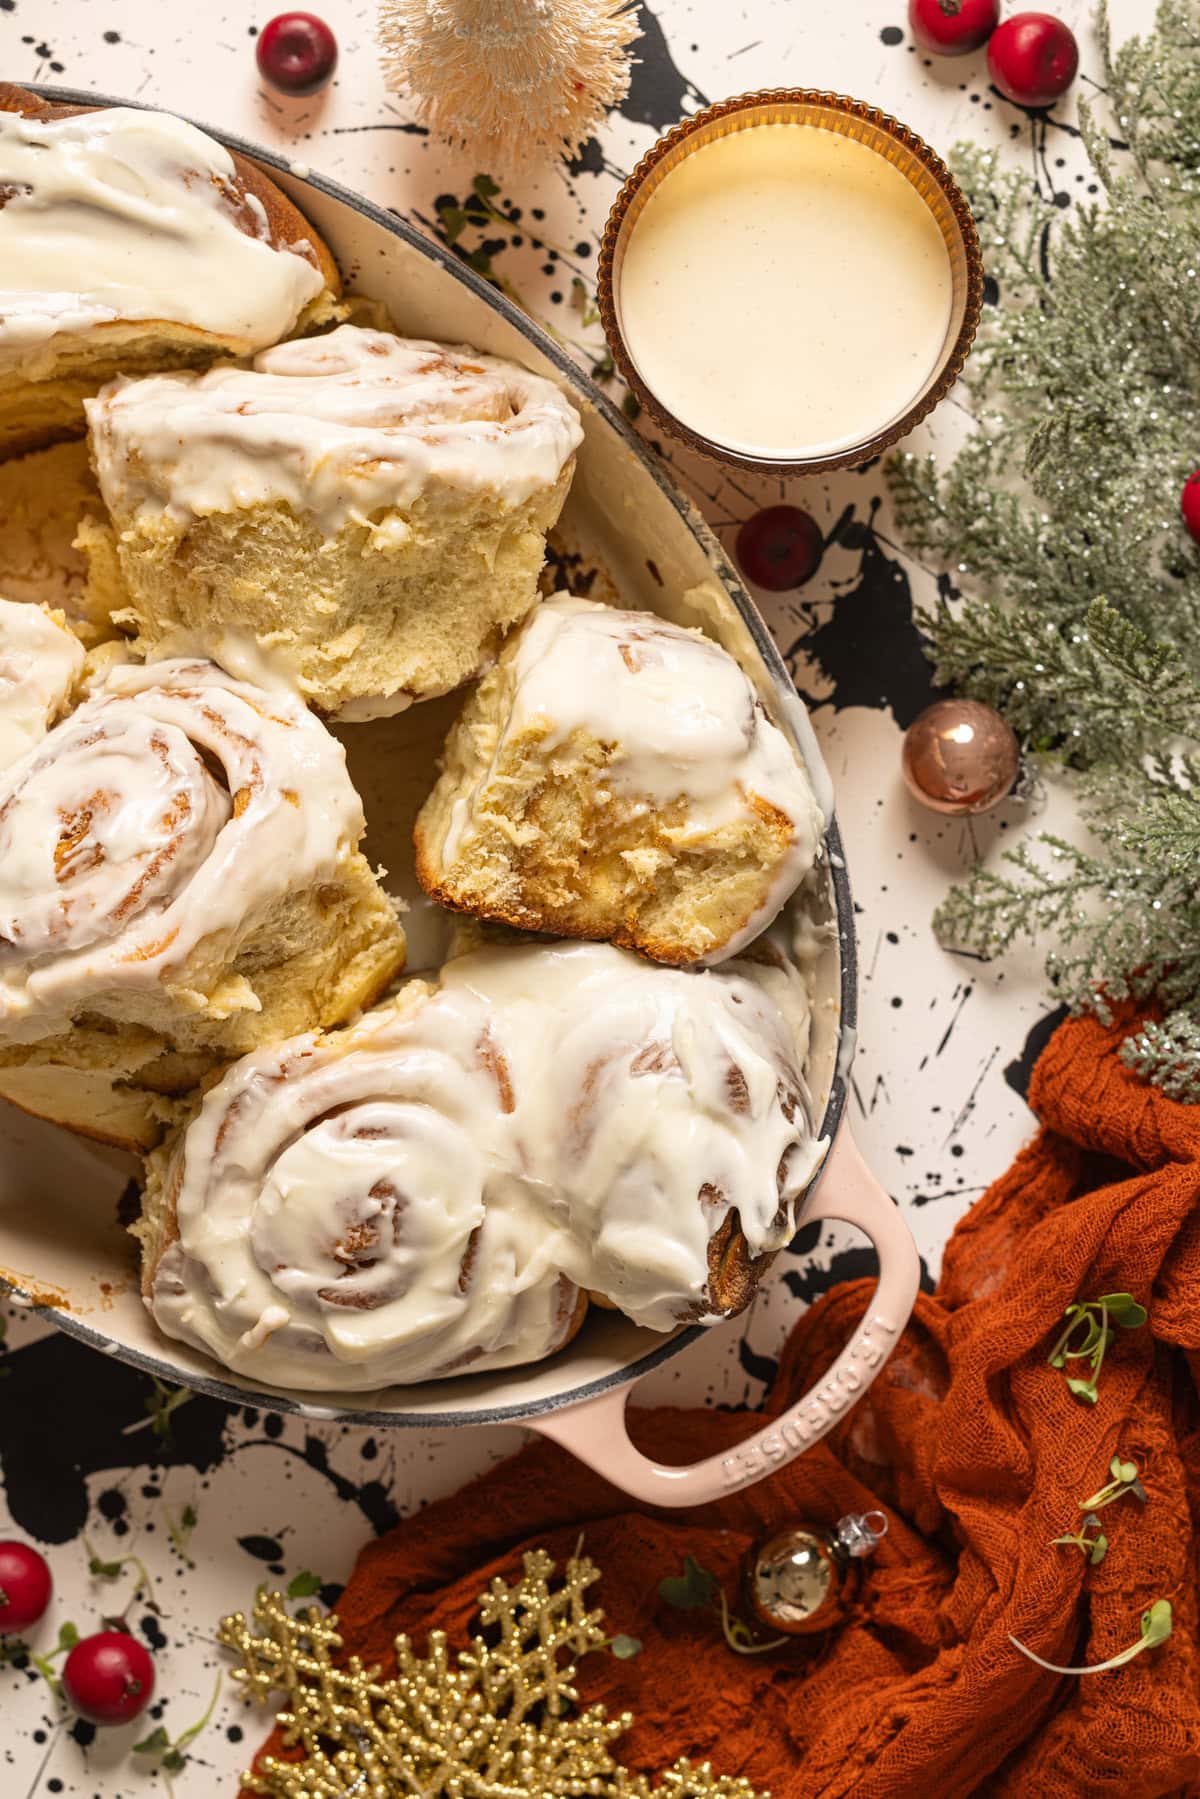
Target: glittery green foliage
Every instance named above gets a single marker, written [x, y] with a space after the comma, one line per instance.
[1073, 599]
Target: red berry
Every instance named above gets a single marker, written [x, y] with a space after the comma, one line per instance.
[952, 27]
[25, 1587]
[108, 1678]
[779, 547]
[1032, 58]
[1189, 504]
[297, 52]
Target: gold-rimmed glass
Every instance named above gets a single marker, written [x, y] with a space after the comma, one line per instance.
[866, 125]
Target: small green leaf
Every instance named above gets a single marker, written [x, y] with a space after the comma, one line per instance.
[631, 406]
[304, 1585]
[453, 221]
[174, 1761]
[154, 1744]
[1124, 1309]
[1083, 1389]
[691, 1590]
[1156, 1624]
[1124, 1471]
[68, 1636]
[625, 1648]
[108, 1570]
[485, 187]
[1099, 1550]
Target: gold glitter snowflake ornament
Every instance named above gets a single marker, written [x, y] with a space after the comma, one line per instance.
[502, 1721]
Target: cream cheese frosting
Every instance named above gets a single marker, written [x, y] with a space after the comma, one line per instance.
[351, 1213]
[357, 424]
[40, 662]
[651, 1103]
[431, 1189]
[118, 214]
[683, 722]
[166, 814]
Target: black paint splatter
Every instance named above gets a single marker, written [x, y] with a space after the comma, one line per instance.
[1019, 1072]
[854, 1264]
[263, 1549]
[847, 1265]
[891, 35]
[805, 1240]
[868, 646]
[372, 1497]
[657, 89]
[759, 1367]
[62, 1420]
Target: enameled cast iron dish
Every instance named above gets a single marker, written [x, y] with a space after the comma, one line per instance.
[61, 1245]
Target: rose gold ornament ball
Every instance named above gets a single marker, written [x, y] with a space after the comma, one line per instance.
[960, 756]
[793, 1582]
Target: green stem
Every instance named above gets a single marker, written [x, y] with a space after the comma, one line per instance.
[741, 1645]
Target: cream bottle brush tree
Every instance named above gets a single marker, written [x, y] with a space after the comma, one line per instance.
[516, 80]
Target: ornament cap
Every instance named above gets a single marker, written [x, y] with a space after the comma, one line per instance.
[859, 1533]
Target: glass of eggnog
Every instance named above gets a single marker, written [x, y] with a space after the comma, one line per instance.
[790, 281]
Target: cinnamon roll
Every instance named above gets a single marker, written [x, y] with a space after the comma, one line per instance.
[437, 1187]
[615, 776]
[130, 240]
[178, 857]
[347, 1211]
[369, 510]
[40, 663]
[48, 499]
[663, 1111]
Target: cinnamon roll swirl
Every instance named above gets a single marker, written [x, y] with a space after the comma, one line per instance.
[347, 1211]
[178, 857]
[615, 776]
[368, 509]
[130, 241]
[436, 1187]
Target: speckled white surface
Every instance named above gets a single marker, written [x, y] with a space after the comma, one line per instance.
[930, 1102]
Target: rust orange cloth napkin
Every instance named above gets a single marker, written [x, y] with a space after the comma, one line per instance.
[979, 1454]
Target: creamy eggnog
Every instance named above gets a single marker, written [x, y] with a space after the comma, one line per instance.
[786, 291]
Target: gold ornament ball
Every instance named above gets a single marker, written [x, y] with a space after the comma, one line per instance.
[960, 756]
[794, 1581]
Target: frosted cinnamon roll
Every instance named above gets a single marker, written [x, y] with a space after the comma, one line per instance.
[47, 500]
[347, 1211]
[663, 1111]
[615, 776]
[129, 241]
[437, 1187]
[179, 856]
[40, 663]
[370, 511]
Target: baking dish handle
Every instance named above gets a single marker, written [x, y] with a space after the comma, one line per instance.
[595, 1432]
